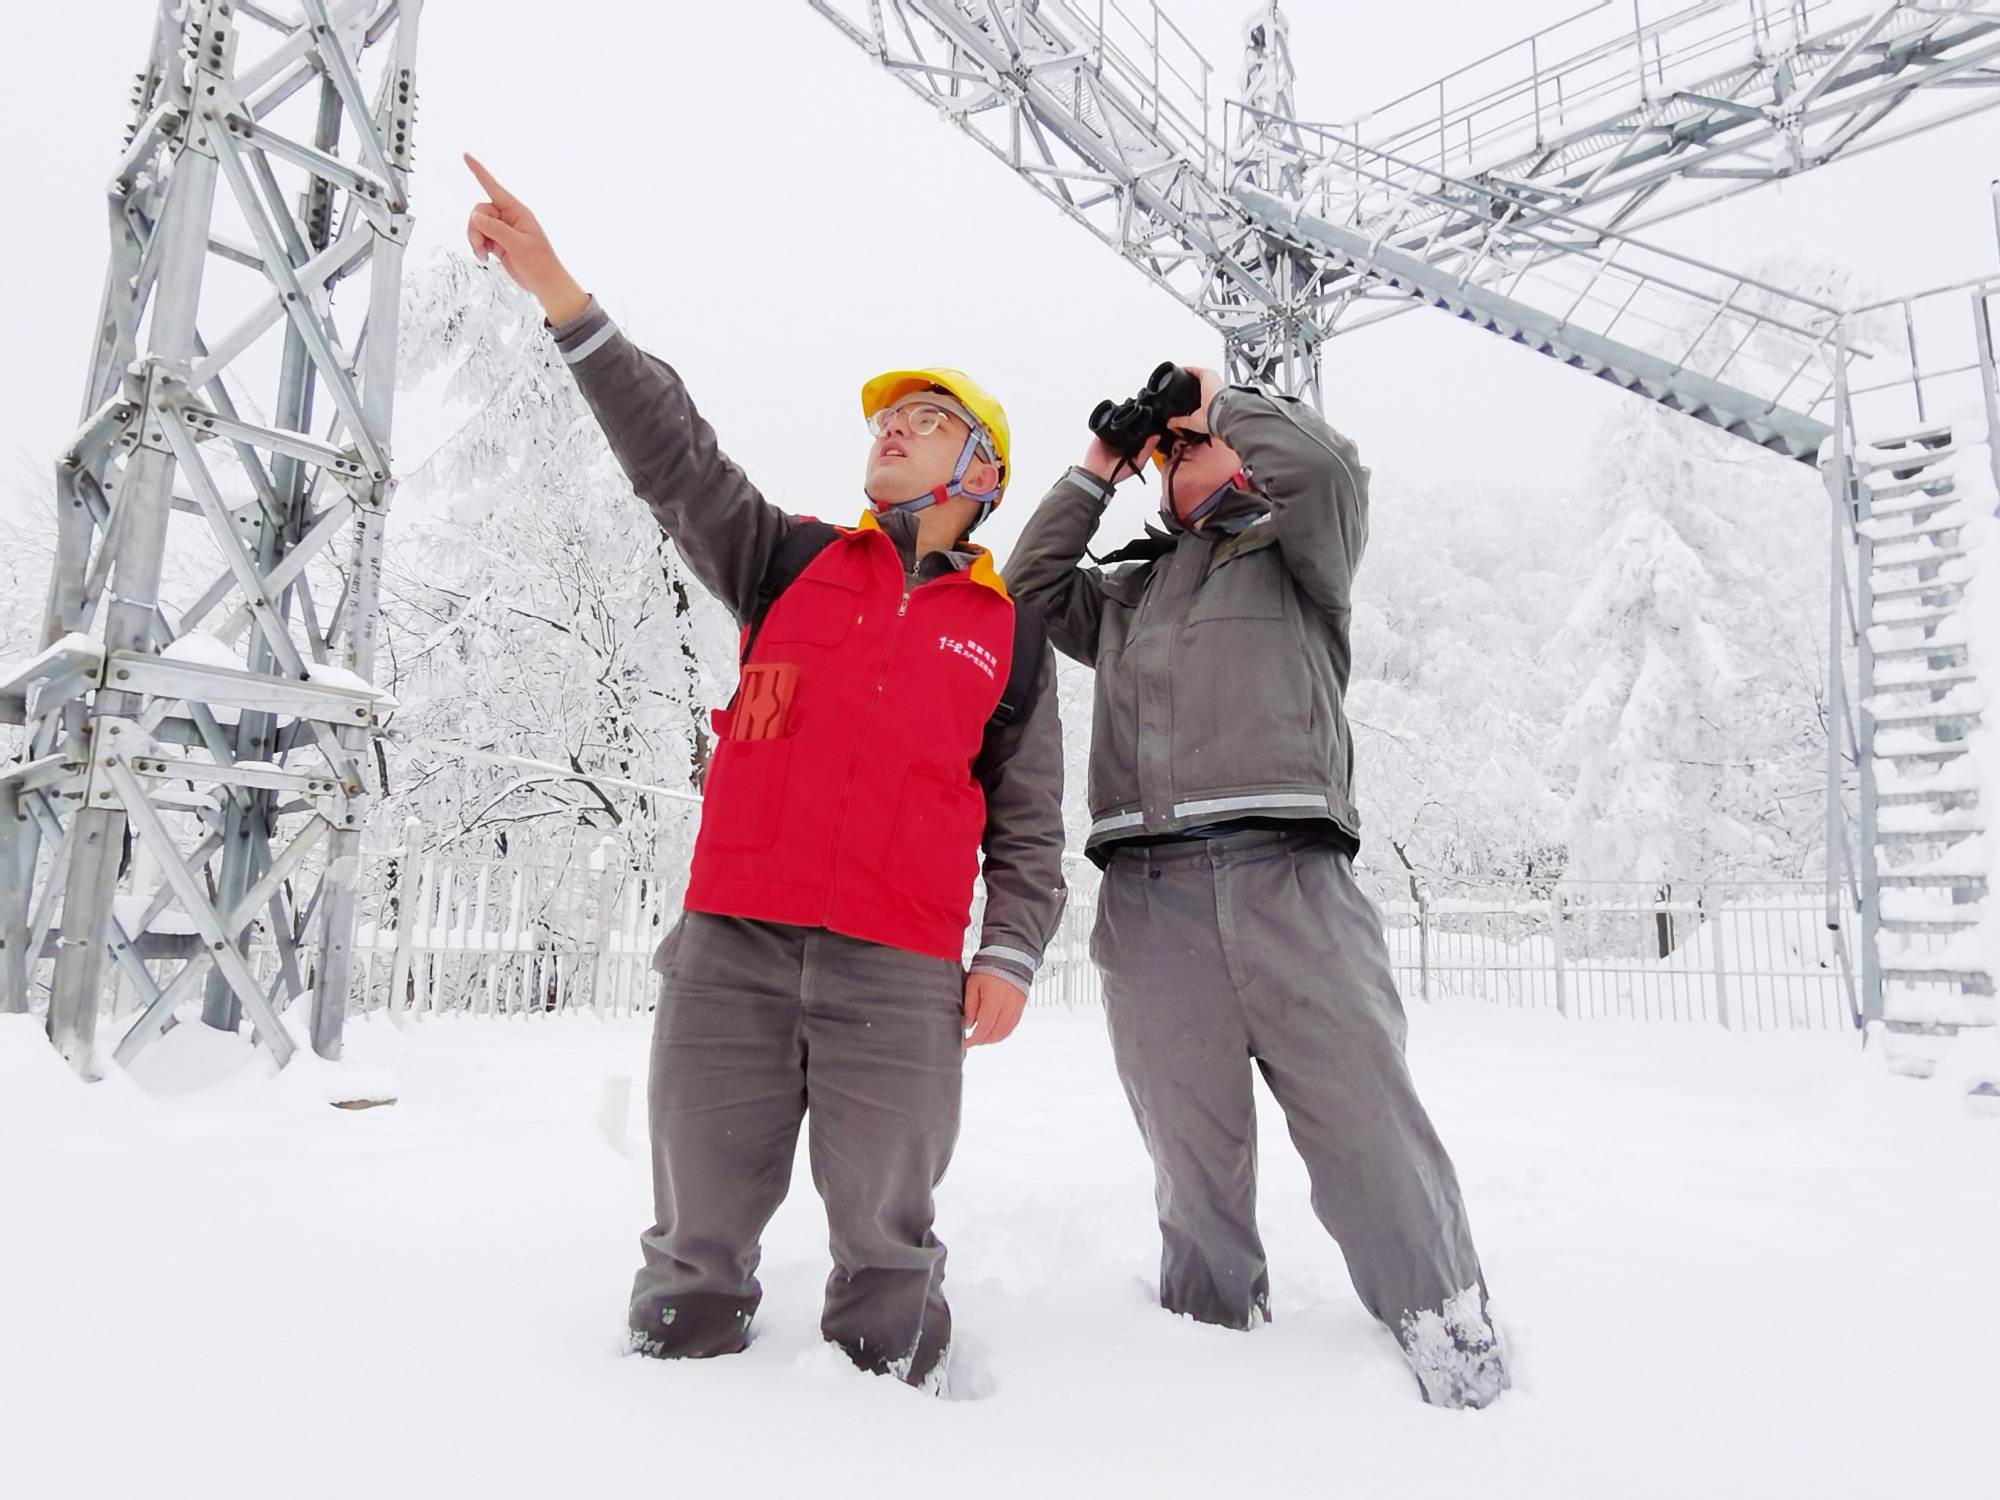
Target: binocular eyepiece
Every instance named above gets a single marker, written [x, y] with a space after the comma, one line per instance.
[1124, 426]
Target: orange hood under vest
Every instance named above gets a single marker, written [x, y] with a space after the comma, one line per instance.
[855, 808]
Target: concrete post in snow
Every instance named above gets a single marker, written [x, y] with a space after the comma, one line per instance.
[1423, 943]
[408, 880]
[1556, 944]
[605, 860]
[1722, 1007]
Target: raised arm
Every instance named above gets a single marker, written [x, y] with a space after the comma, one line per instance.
[1046, 566]
[724, 529]
[1314, 480]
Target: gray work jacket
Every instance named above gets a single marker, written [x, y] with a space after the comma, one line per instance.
[1221, 663]
[726, 532]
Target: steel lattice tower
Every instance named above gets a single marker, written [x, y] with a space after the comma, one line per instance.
[208, 751]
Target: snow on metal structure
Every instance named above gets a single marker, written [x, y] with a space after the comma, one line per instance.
[1915, 475]
[1511, 193]
[236, 427]
[1508, 192]
[1633, 111]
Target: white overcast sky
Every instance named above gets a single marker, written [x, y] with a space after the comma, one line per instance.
[759, 204]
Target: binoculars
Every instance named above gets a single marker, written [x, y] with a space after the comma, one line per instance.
[1124, 426]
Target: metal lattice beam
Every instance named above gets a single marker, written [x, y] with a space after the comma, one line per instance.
[1508, 193]
[1110, 118]
[1681, 383]
[188, 806]
[1626, 114]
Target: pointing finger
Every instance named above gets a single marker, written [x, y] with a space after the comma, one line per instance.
[487, 181]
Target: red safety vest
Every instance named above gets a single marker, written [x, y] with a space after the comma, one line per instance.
[863, 815]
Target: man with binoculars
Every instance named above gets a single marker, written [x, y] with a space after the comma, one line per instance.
[1229, 925]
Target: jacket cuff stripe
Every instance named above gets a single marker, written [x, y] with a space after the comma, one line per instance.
[1090, 484]
[591, 345]
[1004, 954]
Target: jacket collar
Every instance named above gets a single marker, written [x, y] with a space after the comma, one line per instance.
[969, 558]
[1237, 510]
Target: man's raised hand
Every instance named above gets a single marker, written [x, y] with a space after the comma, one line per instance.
[502, 227]
[1111, 467]
[1211, 386]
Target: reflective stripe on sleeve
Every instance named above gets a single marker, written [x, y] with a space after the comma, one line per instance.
[1115, 822]
[1209, 809]
[590, 345]
[1027, 961]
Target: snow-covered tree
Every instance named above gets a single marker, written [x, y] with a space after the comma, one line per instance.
[1697, 727]
[1451, 702]
[543, 615]
[1693, 727]
[26, 550]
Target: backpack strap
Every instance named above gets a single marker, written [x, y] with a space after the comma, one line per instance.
[791, 557]
[1024, 683]
[1024, 672]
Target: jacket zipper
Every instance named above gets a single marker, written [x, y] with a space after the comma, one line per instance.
[854, 761]
[1148, 606]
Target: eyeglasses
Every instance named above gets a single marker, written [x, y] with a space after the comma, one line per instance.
[1177, 442]
[920, 418]
[922, 415]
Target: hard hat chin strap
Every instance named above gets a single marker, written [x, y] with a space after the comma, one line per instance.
[949, 490]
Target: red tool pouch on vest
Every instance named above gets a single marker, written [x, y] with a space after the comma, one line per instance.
[763, 706]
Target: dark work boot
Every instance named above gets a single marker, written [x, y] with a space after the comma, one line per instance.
[697, 1326]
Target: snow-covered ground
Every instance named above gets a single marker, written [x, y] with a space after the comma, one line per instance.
[1729, 1265]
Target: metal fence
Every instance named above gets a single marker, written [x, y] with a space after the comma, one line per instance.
[496, 936]
[447, 932]
[506, 937]
[1755, 957]
[1752, 956]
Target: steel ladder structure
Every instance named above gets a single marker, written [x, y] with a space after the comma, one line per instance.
[1513, 193]
[1911, 492]
[199, 723]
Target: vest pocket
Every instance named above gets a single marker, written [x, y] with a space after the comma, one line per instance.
[744, 794]
[814, 611]
[934, 849]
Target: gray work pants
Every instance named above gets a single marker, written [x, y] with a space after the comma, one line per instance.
[759, 1026]
[1258, 946]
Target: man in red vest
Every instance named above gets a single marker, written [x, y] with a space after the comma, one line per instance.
[895, 717]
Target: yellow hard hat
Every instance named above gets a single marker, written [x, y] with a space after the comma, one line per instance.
[886, 390]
